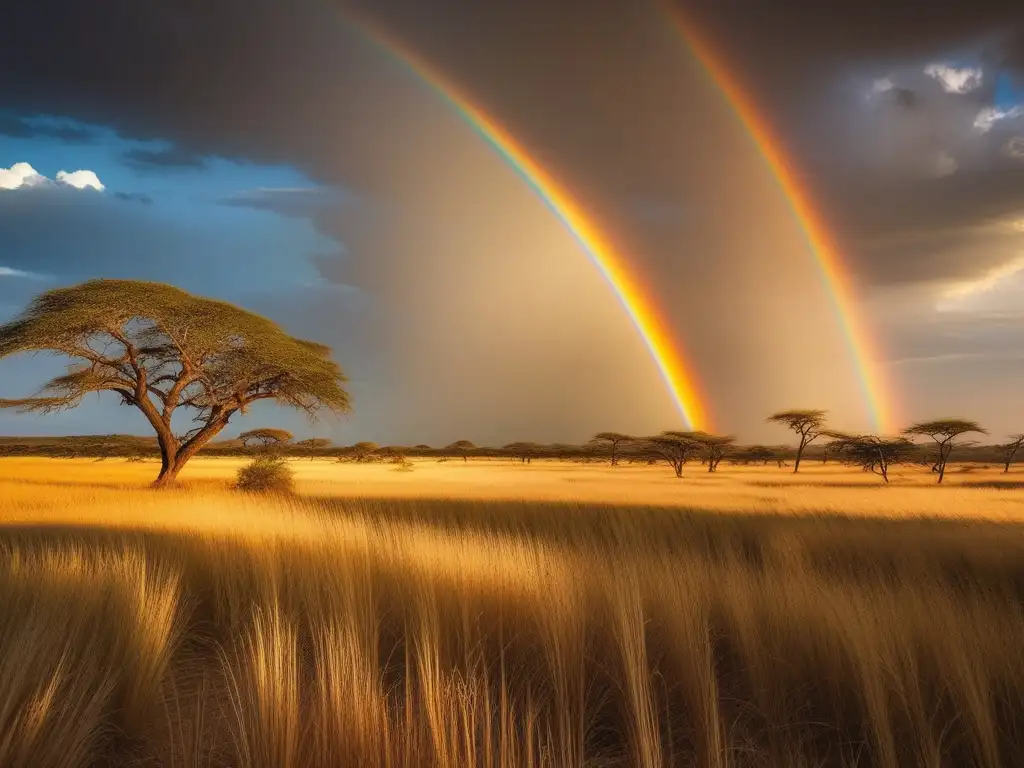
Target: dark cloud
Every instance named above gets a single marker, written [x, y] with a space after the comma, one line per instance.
[134, 197]
[300, 202]
[22, 128]
[782, 38]
[607, 98]
[171, 157]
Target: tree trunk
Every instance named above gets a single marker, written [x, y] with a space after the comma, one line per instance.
[796, 464]
[168, 473]
[173, 457]
[1006, 466]
[169, 467]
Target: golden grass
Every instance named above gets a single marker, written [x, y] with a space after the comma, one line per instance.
[515, 623]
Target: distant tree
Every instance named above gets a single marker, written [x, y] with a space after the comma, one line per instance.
[159, 349]
[871, 452]
[314, 444]
[460, 448]
[1008, 450]
[715, 447]
[361, 451]
[944, 432]
[613, 440]
[761, 453]
[525, 452]
[266, 439]
[808, 425]
[674, 447]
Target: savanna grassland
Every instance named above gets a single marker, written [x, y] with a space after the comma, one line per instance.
[490, 613]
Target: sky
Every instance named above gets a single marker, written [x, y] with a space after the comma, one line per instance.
[286, 158]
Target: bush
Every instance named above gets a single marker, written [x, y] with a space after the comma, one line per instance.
[266, 474]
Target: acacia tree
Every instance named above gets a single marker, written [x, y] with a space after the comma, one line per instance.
[674, 447]
[461, 448]
[267, 438]
[809, 425]
[715, 447]
[871, 452]
[314, 444]
[761, 453]
[160, 349]
[1008, 450]
[361, 451]
[944, 432]
[613, 439]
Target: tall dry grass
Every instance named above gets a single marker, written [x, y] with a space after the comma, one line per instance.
[226, 631]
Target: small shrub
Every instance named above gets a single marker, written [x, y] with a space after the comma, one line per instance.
[266, 474]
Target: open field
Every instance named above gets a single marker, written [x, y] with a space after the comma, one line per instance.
[494, 614]
[970, 490]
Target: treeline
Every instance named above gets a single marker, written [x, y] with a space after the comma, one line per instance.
[633, 452]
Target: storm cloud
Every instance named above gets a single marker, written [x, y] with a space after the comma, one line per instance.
[899, 116]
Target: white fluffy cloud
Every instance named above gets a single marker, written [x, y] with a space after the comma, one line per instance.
[24, 175]
[20, 175]
[956, 79]
[989, 116]
[80, 179]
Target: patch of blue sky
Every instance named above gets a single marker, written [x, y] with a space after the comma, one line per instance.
[1008, 93]
[258, 247]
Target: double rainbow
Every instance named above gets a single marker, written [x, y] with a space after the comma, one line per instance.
[631, 293]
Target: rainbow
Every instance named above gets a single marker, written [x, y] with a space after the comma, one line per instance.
[835, 276]
[653, 328]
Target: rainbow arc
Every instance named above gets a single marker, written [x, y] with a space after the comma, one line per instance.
[835, 276]
[664, 349]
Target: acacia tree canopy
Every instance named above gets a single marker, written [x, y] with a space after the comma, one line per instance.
[613, 439]
[265, 436]
[715, 447]
[161, 349]
[944, 432]
[1008, 450]
[871, 452]
[674, 447]
[808, 424]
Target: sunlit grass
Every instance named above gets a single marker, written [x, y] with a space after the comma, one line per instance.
[209, 628]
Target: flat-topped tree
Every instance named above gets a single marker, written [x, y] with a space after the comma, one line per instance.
[161, 349]
[715, 447]
[613, 440]
[1008, 450]
[809, 425]
[266, 438]
[461, 448]
[872, 453]
[523, 451]
[314, 444]
[674, 447]
[944, 432]
[761, 453]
